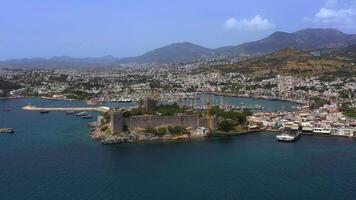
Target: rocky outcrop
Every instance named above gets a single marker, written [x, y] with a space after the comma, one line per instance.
[107, 138]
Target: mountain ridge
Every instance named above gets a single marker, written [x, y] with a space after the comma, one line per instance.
[305, 39]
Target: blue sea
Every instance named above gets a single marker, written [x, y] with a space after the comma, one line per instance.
[51, 157]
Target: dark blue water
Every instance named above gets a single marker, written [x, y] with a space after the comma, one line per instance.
[51, 157]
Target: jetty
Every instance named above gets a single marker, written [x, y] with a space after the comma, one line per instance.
[101, 109]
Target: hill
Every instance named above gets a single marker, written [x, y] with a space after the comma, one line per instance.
[177, 52]
[292, 62]
[307, 39]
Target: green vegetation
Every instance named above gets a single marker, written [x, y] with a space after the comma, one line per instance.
[151, 130]
[348, 110]
[106, 118]
[7, 86]
[160, 131]
[77, 94]
[169, 109]
[226, 125]
[230, 120]
[239, 117]
[104, 128]
[132, 112]
[317, 102]
[176, 130]
[162, 109]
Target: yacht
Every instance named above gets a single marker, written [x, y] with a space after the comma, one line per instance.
[7, 130]
[44, 111]
[307, 127]
[80, 114]
[70, 112]
[86, 116]
[288, 136]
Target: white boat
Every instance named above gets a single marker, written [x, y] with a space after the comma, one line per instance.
[86, 116]
[6, 130]
[80, 114]
[288, 135]
[284, 137]
[307, 127]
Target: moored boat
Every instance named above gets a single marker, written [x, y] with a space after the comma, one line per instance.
[44, 111]
[87, 116]
[7, 130]
[288, 135]
[70, 112]
[80, 114]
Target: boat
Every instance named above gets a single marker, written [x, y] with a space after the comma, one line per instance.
[288, 135]
[80, 114]
[307, 127]
[87, 116]
[70, 112]
[7, 130]
[44, 111]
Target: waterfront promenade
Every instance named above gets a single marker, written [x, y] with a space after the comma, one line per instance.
[101, 109]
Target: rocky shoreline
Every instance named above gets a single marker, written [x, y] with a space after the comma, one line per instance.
[133, 137]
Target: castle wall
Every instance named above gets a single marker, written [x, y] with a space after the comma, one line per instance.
[193, 121]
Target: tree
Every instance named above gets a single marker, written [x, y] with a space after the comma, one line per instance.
[226, 125]
[161, 131]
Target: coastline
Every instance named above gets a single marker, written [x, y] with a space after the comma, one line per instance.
[254, 97]
[12, 97]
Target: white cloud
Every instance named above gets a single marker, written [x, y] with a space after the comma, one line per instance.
[231, 23]
[336, 13]
[330, 14]
[255, 24]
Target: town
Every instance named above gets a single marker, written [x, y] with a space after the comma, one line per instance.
[324, 104]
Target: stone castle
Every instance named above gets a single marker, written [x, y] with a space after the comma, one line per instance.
[118, 122]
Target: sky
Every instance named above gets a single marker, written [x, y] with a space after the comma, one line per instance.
[93, 28]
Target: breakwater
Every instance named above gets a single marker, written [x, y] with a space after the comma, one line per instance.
[95, 109]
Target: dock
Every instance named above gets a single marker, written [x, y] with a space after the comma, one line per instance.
[101, 109]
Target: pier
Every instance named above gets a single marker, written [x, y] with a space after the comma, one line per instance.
[101, 109]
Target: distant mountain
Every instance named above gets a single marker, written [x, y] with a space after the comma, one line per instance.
[177, 52]
[59, 62]
[307, 39]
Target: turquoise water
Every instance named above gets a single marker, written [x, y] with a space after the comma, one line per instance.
[51, 157]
